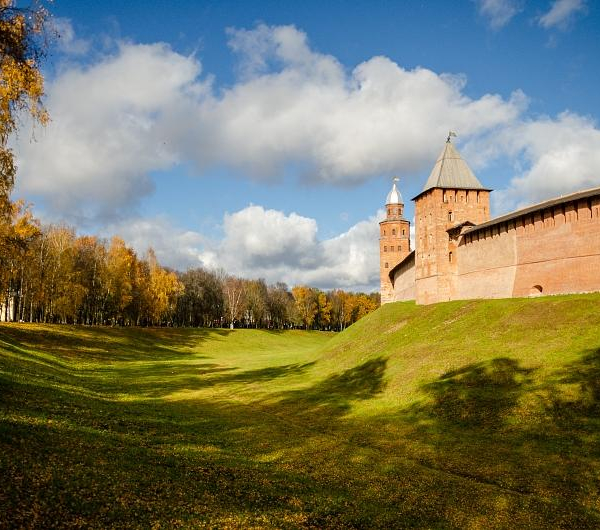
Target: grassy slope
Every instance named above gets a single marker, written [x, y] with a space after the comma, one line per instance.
[465, 414]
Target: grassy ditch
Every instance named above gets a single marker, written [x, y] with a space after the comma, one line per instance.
[459, 415]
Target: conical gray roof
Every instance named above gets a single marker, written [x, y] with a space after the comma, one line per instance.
[451, 171]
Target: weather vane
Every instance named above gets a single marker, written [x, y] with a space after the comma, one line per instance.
[450, 135]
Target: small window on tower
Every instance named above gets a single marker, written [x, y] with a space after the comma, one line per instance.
[392, 249]
[403, 232]
[445, 197]
[450, 257]
[385, 248]
[393, 231]
[386, 265]
[450, 216]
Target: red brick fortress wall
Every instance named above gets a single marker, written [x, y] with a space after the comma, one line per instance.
[404, 279]
[487, 263]
[558, 250]
[552, 250]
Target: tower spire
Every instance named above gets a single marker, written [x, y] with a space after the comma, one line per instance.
[394, 196]
[394, 240]
[451, 171]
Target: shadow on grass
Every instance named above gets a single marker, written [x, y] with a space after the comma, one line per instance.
[157, 380]
[478, 396]
[493, 424]
[112, 464]
[107, 344]
[140, 471]
[585, 374]
[488, 447]
[332, 397]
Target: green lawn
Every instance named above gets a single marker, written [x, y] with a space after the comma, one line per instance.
[459, 415]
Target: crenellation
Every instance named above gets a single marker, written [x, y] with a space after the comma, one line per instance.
[570, 212]
[584, 209]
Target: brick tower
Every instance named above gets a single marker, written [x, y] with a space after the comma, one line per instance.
[452, 200]
[394, 241]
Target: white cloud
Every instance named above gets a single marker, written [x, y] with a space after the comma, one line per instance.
[261, 243]
[255, 237]
[145, 108]
[561, 13]
[344, 127]
[278, 247]
[560, 155]
[498, 12]
[174, 247]
[95, 157]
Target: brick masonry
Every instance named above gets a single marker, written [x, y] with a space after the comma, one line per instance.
[553, 248]
[394, 246]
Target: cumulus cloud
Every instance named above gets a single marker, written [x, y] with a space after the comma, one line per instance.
[498, 12]
[262, 237]
[95, 157]
[279, 247]
[174, 247]
[127, 116]
[560, 155]
[561, 13]
[145, 108]
[296, 105]
[263, 243]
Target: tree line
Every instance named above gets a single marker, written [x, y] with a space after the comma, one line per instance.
[49, 274]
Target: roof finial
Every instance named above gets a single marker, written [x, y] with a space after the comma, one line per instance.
[394, 196]
[450, 135]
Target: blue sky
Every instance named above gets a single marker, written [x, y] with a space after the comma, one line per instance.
[261, 137]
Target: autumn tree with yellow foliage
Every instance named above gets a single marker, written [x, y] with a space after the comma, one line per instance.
[16, 237]
[49, 274]
[22, 45]
[163, 289]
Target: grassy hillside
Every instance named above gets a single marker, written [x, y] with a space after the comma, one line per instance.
[459, 415]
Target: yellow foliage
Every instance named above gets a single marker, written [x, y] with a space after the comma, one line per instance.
[306, 304]
[120, 265]
[21, 82]
[164, 289]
